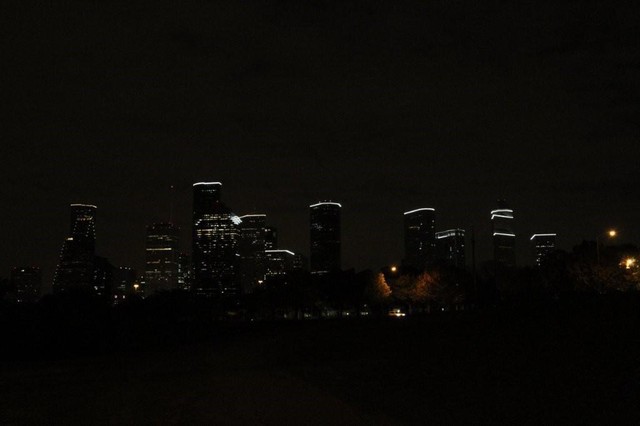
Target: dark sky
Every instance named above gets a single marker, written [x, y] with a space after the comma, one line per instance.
[383, 106]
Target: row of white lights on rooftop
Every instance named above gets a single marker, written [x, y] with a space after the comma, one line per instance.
[498, 213]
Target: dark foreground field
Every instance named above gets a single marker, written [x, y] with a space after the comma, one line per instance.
[577, 365]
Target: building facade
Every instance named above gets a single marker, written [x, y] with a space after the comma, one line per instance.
[279, 262]
[75, 268]
[419, 238]
[325, 237]
[161, 257]
[252, 248]
[543, 245]
[450, 247]
[26, 283]
[185, 272]
[270, 238]
[504, 237]
[215, 238]
[123, 279]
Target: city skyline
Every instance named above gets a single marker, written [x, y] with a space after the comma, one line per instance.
[382, 106]
[529, 255]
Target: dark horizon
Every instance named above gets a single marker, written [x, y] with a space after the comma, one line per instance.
[382, 107]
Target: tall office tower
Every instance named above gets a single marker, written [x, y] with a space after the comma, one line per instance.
[26, 281]
[184, 271]
[300, 262]
[543, 245]
[325, 237]
[251, 248]
[161, 257]
[279, 262]
[420, 237]
[504, 238]
[76, 266]
[270, 238]
[450, 247]
[216, 231]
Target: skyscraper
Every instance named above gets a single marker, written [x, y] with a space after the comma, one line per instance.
[161, 257]
[279, 262]
[252, 248]
[543, 245]
[450, 247]
[325, 237]
[419, 237]
[76, 266]
[270, 238]
[184, 271]
[216, 231]
[504, 238]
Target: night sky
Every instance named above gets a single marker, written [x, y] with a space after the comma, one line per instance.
[383, 106]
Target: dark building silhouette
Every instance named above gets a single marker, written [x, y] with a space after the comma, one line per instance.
[270, 238]
[252, 248]
[504, 237]
[76, 266]
[419, 237]
[543, 245]
[216, 233]
[123, 279]
[26, 282]
[161, 257]
[103, 274]
[325, 237]
[279, 262]
[300, 262]
[185, 269]
[450, 247]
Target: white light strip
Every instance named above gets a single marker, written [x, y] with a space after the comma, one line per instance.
[419, 210]
[160, 249]
[207, 183]
[325, 202]
[501, 215]
[84, 205]
[542, 235]
[502, 211]
[451, 230]
[450, 233]
[504, 234]
[252, 215]
[280, 251]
